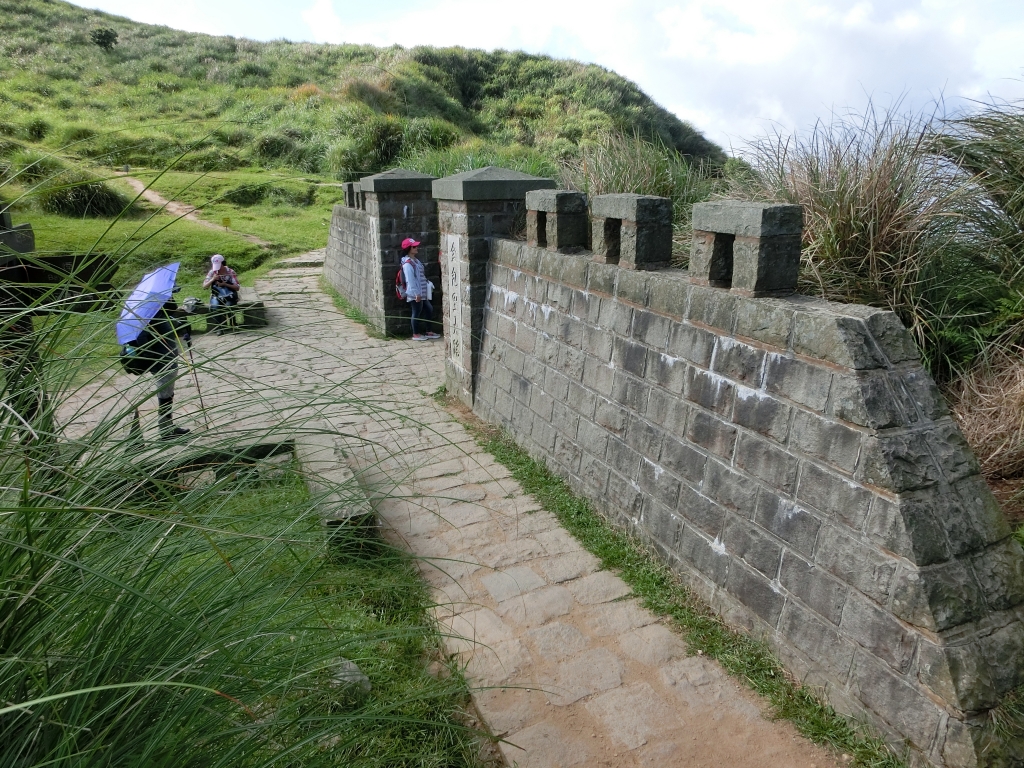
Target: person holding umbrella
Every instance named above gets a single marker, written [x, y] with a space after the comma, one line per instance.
[150, 337]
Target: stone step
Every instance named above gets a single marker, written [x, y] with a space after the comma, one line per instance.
[295, 271]
[314, 259]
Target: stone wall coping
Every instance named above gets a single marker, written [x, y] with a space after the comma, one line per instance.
[397, 180]
[748, 219]
[631, 207]
[556, 201]
[490, 183]
[850, 336]
[356, 214]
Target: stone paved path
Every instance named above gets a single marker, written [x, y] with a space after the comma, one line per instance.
[568, 668]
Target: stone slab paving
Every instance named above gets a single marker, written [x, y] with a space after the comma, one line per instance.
[568, 668]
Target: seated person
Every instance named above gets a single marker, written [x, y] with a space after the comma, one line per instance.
[223, 284]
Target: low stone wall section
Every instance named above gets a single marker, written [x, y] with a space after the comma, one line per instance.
[792, 460]
[348, 262]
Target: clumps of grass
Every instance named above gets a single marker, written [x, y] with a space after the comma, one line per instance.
[886, 224]
[618, 163]
[75, 193]
[662, 593]
[55, 186]
[988, 403]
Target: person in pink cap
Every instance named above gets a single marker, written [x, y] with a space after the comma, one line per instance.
[416, 292]
[223, 284]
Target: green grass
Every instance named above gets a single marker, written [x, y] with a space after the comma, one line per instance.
[199, 618]
[661, 592]
[291, 211]
[336, 109]
[141, 243]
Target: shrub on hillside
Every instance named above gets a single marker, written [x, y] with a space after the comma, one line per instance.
[31, 166]
[74, 193]
[273, 146]
[430, 132]
[233, 136]
[246, 195]
[104, 37]
[37, 129]
[376, 97]
[73, 134]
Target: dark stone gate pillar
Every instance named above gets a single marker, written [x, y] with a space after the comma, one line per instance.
[472, 208]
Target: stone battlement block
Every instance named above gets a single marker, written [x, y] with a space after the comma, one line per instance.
[556, 201]
[556, 219]
[488, 183]
[397, 180]
[751, 248]
[633, 231]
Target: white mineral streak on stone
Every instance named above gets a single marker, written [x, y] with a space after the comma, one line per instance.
[718, 546]
[516, 274]
[668, 360]
[510, 297]
[746, 393]
[546, 309]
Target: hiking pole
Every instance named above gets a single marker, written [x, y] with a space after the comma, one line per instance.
[195, 376]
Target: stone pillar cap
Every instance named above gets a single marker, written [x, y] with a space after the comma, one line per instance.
[490, 183]
[630, 207]
[397, 180]
[556, 201]
[747, 219]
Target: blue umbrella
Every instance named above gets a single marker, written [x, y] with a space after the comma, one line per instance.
[145, 301]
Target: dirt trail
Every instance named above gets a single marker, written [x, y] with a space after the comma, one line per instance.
[182, 210]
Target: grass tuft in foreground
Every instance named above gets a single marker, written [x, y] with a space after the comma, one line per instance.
[705, 633]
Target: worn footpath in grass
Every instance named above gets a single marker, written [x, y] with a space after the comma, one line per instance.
[661, 592]
[288, 209]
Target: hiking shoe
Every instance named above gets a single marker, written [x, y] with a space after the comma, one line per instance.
[418, 337]
[432, 335]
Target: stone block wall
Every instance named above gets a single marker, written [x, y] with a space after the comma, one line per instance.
[348, 264]
[364, 247]
[792, 460]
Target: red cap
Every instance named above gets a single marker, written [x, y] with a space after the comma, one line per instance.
[409, 243]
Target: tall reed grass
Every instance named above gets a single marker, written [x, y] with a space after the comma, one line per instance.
[619, 163]
[885, 225]
[160, 608]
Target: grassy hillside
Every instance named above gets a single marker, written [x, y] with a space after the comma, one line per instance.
[343, 110]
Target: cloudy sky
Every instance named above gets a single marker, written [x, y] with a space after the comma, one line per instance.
[733, 68]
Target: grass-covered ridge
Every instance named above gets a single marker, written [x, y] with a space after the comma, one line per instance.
[339, 109]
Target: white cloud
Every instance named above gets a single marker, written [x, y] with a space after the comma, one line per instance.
[324, 24]
[729, 67]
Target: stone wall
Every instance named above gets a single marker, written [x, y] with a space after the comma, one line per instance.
[349, 264]
[791, 459]
[364, 245]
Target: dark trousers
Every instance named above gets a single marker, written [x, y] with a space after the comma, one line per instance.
[422, 316]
